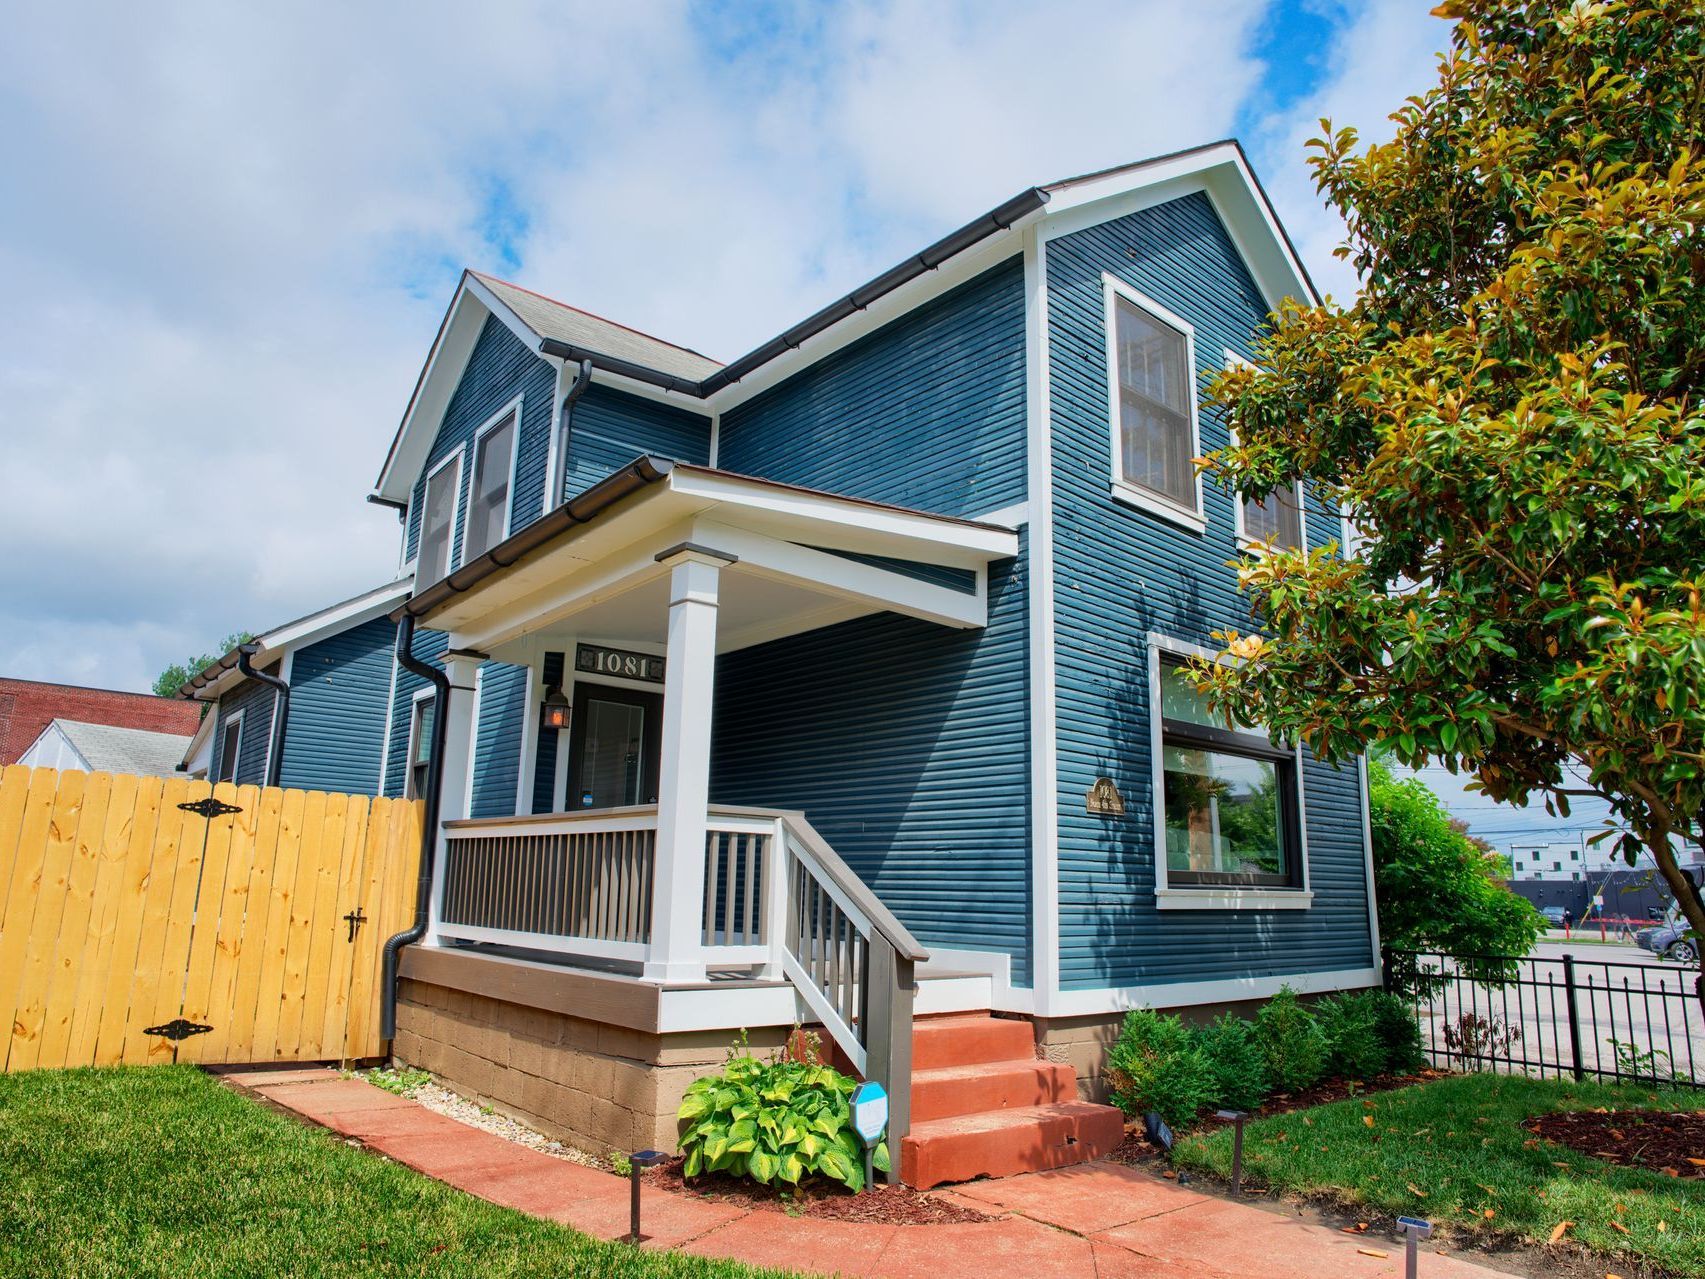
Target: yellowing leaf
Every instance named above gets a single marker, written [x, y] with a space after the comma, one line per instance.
[1559, 1230]
[1416, 1190]
[1368, 1120]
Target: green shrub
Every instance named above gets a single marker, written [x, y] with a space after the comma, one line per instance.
[1399, 1032]
[780, 1120]
[1354, 1049]
[1157, 1064]
[1291, 1041]
[1235, 1060]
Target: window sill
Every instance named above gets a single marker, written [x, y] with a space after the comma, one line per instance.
[1233, 899]
[1256, 548]
[1143, 500]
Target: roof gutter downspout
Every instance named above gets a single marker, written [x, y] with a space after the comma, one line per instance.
[275, 748]
[565, 423]
[440, 682]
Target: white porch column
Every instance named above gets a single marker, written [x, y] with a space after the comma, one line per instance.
[461, 715]
[676, 953]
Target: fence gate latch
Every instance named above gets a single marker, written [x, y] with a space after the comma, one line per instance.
[355, 919]
[210, 807]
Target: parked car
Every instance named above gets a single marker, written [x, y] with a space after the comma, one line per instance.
[1553, 915]
[1670, 940]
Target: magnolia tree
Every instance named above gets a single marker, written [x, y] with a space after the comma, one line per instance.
[1510, 417]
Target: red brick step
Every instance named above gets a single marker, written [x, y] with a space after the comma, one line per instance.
[965, 1039]
[946, 1091]
[1004, 1143]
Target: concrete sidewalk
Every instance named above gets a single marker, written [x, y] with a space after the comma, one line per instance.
[1098, 1219]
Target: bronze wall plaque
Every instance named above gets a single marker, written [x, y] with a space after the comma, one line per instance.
[1104, 798]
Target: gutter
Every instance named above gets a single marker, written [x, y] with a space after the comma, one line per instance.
[281, 709]
[583, 509]
[954, 243]
[565, 424]
[440, 681]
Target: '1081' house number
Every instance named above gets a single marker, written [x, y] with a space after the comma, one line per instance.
[594, 659]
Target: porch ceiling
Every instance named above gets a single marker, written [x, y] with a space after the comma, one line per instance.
[593, 565]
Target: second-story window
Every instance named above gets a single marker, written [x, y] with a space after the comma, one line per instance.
[1154, 405]
[438, 521]
[1274, 520]
[488, 498]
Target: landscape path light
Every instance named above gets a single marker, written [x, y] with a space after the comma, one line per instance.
[1414, 1230]
[1236, 1118]
[638, 1162]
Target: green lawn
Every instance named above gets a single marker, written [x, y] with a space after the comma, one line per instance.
[1451, 1149]
[160, 1171]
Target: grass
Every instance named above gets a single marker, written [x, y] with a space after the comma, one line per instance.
[1454, 1149]
[162, 1172]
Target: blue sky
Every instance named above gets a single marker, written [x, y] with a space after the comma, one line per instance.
[230, 231]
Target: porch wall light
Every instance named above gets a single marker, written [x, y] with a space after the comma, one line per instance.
[554, 713]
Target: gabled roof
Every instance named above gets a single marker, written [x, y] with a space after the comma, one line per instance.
[318, 625]
[559, 322]
[563, 332]
[105, 748]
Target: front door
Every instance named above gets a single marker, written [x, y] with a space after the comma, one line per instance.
[615, 739]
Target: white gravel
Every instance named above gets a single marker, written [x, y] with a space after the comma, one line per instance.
[435, 1097]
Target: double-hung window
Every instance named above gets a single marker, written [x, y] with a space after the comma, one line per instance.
[1273, 521]
[420, 746]
[1231, 814]
[1153, 390]
[438, 521]
[230, 748]
[488, 497]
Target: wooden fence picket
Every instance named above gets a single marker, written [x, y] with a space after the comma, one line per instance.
[122, 912]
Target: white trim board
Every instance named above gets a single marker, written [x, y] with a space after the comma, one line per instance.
[1116, 999]
[511, 409]
[1039, 548]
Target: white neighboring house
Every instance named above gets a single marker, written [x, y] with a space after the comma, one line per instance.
[103, 748]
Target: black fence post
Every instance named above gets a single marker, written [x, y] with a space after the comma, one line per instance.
[1574, 1017]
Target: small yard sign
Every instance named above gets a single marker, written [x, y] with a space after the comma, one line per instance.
[870, 1112]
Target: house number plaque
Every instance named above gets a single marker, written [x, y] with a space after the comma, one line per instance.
[1104, 798]
[595, 659]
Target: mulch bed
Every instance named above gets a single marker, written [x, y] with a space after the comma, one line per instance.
[1670, 1142]
[881, 1204]
[1138, 1151]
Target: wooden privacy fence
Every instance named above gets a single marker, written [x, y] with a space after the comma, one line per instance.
[147, 919]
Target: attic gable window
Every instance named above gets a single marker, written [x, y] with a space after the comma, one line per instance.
[488, 499]
[1151, 374]
[438, 521]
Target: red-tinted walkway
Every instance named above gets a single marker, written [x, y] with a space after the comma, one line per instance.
[1098, 1219]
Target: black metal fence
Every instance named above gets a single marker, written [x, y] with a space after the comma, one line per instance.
[1633, 1022]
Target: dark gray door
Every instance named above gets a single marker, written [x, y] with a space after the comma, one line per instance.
[615, 739]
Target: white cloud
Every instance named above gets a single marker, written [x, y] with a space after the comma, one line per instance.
[229, 233]
[1380, 56]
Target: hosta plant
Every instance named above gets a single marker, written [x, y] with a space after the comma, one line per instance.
[774, 1121]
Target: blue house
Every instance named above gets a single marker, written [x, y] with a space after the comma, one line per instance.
[313, 715]
[840, 684]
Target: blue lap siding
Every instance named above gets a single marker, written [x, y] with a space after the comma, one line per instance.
[255, 701]
[1121, 573]
[497, 744]
[926, 412]
[429, 647]
[499, 368]
[906, 744]
[339, 691]
[610, 428]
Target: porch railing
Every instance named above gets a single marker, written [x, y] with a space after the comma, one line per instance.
[778, 902]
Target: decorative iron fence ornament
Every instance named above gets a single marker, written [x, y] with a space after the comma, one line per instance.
[210, 807]
[178, 1029]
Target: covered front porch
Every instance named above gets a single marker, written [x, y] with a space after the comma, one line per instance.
[613, 861]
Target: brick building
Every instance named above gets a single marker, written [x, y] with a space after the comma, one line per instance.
[27, 707]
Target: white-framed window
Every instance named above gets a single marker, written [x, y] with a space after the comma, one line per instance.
[438, 521]
[1151, 375]
[230, 744]
[1229, 816]
[1277, 520]
[419, 743]
[491, 492]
